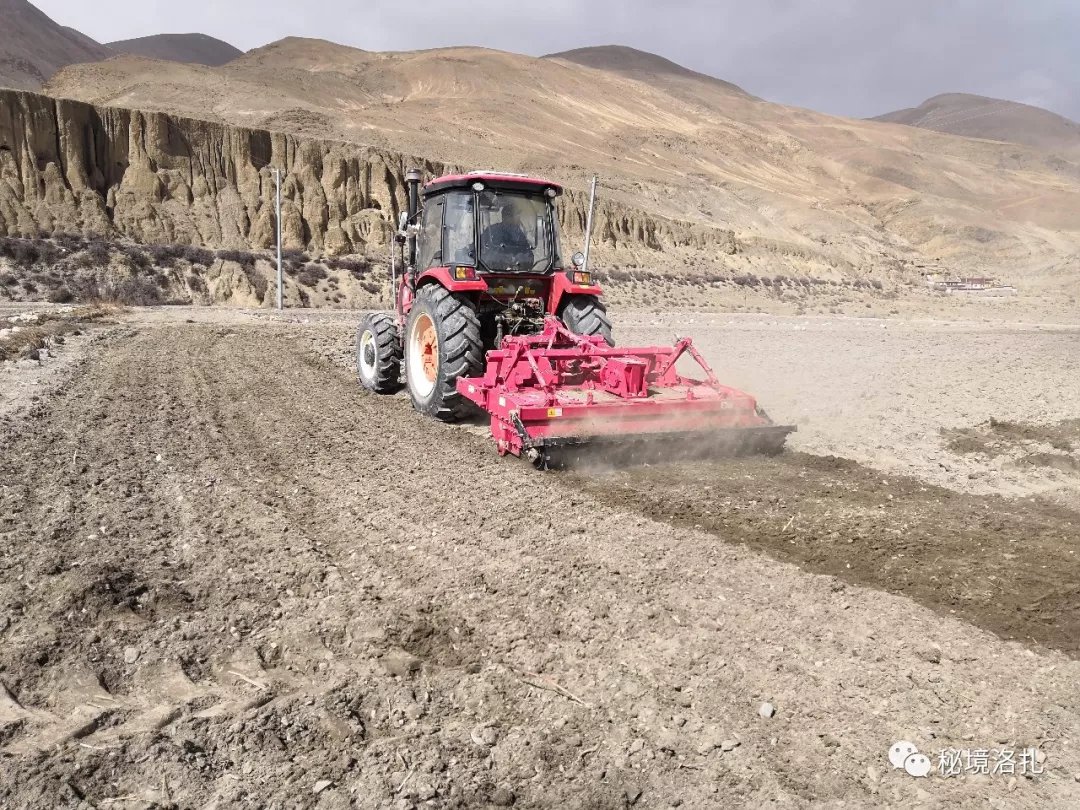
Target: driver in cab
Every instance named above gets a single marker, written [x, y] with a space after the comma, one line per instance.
[507, 236]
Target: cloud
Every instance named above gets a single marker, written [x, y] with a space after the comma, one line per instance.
[848, 57]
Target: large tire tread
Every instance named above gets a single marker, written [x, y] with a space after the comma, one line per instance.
[388, 352]
[460, 348]
[586, 315]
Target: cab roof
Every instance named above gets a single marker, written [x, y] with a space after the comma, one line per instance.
[493, 179]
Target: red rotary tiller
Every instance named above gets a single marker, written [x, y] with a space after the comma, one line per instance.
[556, 388]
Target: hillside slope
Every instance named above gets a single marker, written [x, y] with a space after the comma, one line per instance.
[193, 48]
[33, 47]
[993, 119]
[798, 187]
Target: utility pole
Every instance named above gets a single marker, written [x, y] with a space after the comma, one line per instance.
[588, 225]
[277, 220]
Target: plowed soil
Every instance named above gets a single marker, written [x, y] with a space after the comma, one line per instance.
[1007, 565]
[232, 578]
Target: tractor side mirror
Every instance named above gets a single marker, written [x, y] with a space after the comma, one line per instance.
[578, 259]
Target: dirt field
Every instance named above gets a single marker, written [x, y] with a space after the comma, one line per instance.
[233, 578]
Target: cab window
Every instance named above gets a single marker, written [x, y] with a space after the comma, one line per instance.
[459, 228]
[429, 253]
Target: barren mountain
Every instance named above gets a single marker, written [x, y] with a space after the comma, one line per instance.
[194, 48]
[993, 119]
[799, 189]
[33, 47]
[638, 65]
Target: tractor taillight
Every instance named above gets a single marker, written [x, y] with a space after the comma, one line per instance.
[464, 273]
[582, 278]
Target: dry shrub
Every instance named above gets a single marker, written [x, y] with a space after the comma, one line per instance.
[61, 295]
[27, 339]
[198, 255]
[358, 267]
[165, 255]
[311, 275]
[244, 258]
[138, 257]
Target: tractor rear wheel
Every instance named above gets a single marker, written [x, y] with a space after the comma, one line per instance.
[442, 343]
[585, 315]
[378, 353]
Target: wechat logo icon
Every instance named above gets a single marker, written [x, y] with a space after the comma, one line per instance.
[905, 756]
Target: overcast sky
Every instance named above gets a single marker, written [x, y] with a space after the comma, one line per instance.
[847, 57]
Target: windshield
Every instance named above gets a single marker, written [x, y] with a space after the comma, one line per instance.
[517, 232]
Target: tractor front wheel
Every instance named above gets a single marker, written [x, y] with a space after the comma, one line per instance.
[378, 353]
[585, 315]
[442, 343]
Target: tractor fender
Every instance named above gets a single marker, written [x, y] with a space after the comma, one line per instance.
[444, 277]
[562, 284]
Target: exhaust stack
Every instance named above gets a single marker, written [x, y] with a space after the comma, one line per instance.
[412, 183]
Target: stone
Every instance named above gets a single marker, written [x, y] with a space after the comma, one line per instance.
[709, 739]
[400, 663]
[766, 710]
[321, 785]
[426, 791]
[667, 740]
[503, 797]
[930, 653]
[729, 745]
[484, 735]
[131, 655]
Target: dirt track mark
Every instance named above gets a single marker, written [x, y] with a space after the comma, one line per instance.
[277, 543]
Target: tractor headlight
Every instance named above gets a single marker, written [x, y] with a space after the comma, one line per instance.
[477, 186]
[550, 192]
[584, 279]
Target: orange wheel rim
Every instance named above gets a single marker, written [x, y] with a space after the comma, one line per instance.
[429, 347]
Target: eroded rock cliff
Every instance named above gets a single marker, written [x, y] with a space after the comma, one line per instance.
[67, 166]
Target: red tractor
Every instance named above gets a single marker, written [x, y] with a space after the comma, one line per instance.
[490, 315]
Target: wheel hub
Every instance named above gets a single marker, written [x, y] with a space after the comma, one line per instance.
[428, 340]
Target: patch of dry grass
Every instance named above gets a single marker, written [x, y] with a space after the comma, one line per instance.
[26, 338]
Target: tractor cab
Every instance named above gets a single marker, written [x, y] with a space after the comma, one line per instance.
[492, 223]
[495, 238]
